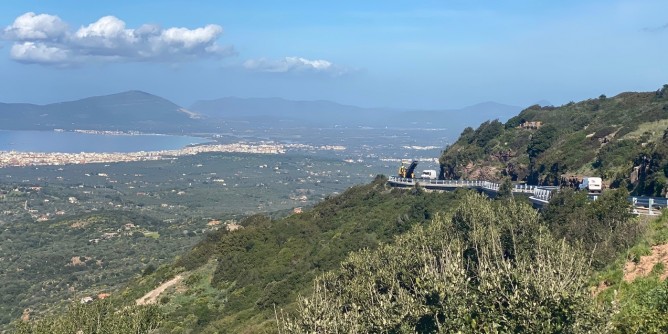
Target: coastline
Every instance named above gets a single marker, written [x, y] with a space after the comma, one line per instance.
[23, 159]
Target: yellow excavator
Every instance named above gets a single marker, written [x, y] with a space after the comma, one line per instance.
[408, 171]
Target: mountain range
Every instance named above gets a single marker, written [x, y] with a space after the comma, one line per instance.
[132, 110]
[141, 111]
[332, 113]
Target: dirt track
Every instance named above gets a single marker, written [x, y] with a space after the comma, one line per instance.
[152, 296]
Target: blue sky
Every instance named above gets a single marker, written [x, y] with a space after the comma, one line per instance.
[421, 54]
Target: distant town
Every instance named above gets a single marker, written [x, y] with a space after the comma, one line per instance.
[14, 158]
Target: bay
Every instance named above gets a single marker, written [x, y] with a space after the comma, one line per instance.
[76, 142]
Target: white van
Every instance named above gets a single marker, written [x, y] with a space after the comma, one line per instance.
[592, 184]
[429, 174]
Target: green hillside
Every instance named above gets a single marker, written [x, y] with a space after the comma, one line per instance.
[49, 264]
[500, 267]
[233, 280]
[386, 261]
[606, 137]
[382, 260]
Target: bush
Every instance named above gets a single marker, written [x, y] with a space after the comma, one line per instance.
[99, 317]
[644, 307]
[605, 227]
[488, 268]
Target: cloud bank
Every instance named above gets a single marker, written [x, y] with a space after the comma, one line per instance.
[294, 64]
[48, 40]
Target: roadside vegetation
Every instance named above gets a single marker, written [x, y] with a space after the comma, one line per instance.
[490, 267]
[376, 259]
[461, 262]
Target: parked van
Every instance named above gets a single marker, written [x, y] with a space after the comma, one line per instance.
[429, 174]
[592, 184]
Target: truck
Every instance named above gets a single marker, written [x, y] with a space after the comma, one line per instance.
[591, 184]
[429, 174]
[408, 171]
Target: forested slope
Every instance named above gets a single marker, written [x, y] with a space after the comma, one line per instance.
[404, 261]
[622, 139]
[375, 259]
[234, 279]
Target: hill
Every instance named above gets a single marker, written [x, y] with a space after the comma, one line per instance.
[49, 264]
[622, 139]
[233, 279]
[141, 111]
[482, 266]
[132, 110]
[273, 109]
[388, 260]
[268, 110]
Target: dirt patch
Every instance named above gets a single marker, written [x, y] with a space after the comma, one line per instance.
[152, 296]
[79, 261]
[600, 288]
[233, 227]
[214, 223]
[634, 270]
[79, 224]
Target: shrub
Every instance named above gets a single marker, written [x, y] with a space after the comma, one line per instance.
[99, 317]
[488, 268]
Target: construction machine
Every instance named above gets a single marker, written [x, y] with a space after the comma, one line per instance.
[408, 171]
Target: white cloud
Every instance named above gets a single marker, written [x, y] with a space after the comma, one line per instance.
[31, 26]
[37, 52]
[46, 39]
[294, 64]
[191, 38]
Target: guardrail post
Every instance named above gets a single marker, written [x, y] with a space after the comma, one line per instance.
[651, 204]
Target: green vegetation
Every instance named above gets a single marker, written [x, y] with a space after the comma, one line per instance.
[387, 260]
[41, 230]
[491, 267]
[635, 282]
[505, 189]
[99, 317]
[621, 139]
[64, 260]
[236, 278]
[375, 259]
[604, 227]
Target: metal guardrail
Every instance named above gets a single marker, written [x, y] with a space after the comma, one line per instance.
[541, 194]
[538, 194]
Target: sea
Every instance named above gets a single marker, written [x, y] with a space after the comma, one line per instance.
[76, 142]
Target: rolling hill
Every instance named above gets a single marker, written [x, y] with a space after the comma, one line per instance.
[131, 110]
[236, 277]
[141, 111]
[375, 259]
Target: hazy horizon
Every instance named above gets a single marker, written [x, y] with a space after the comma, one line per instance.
[430, 55]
